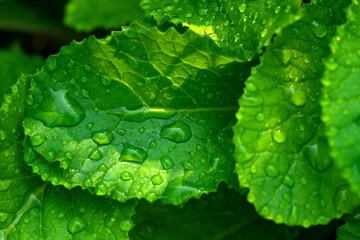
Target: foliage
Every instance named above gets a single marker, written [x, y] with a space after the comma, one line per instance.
[222, 119]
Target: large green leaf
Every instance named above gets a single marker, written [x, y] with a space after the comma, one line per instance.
[221, 215]
[142, 114]
[31, 209]
[341, 102]
[351, 229]
[244, 26]
[281, 151]
[89, 15]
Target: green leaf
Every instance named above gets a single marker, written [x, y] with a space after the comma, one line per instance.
[340, 102]
[281, 151]
[32, 209]
[89, 15]
[244, 26]
[13, 62]
[351, 229]
[221, 215]
[143, 114]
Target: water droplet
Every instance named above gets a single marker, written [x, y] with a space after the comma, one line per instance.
[331, 64]
[126, 176]
[119, 196]
[271, 170]
[101, 188]
[318, 30]
[88, 182]
[264, 211]
[90, 125]
[71, 64]
[141, 130]
[251, 87]
[251, 101]
[288, 181]
[103, 167]
[152, 145]
[178, 132]
[131, 153]
[286, 56]
[260, 117]
[120, 131]
[157, 179]
[76, 224]
[102, 137]
[95, 154]
[60, 110]
[84, 93]
[188, 165]
[126, 225]
[279, 136]
[3, 217]
[167, 162]
[83, 79]
[303, 181]
[2, 135]
[242, 7]
[105, 81]
[37, 139]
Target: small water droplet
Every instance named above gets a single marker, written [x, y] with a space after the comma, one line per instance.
[95, 154]
[264, 211]
[101, 188]
[103, 167]
[2, 135]
[167, 162]
[120, 131]
[260, 117]
[131, 153]
[303, 181]
[141, 130]
[188, 165]
[178, 132]
[157, 179]
[37, 139]
[242, 7]
[318, 30]
[288, 181]
[126, 225]
[76, 224]
[271, 170]
[88, 182]
[102, 137]
[279, 136]
[51, 64]
[90, 125]
[152, 145]
[105, 81]
[126, 175]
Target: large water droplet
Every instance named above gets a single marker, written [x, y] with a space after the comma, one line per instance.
[126, 176]
[178, 132]
[157, 179]
[101, 188]
[3, 217]
[131, 153]
[279, 136]
[76, 224]
[102, 137]
[167, 162]
[58, 109]
[37, 139]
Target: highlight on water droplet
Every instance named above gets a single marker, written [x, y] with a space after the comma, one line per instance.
[157, 179]
[178, 132]
[102, 137]
[278, 136]
[76, 224]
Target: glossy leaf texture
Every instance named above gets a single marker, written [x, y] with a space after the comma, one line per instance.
[341, 102]
[142, 114]
[221, 215]
[31, 209]
[281, 150]
[351, 229]
[89, 15]
[244, 26]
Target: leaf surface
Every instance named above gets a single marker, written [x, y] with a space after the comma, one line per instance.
[143, 114]
[243, 26]
[89, 15]
[281, 151]
[340, 102]
[31, 209]
[221, 215]
[351, 229]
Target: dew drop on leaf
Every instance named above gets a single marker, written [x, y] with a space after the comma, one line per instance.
[167, 162]
[131, 153]
[102, 137]
[2, 135]
[103, 167]
[242, 7]
[37, 139]
[271, 170]
[76, 224]
[3, 217]
[318, 30]
[105, 81]
[126, 225]
[101, 188]
[120, 131]
[157, 179]
[126, 175]
[178, 132]
[279, 136]
[95, 154]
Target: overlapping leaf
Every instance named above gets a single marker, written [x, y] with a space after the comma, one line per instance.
[341, 101]
[221, 215]
[142, 114]
[351, 229]
[281, 151]
[89, 15]
[32, 209]
[244, 26]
